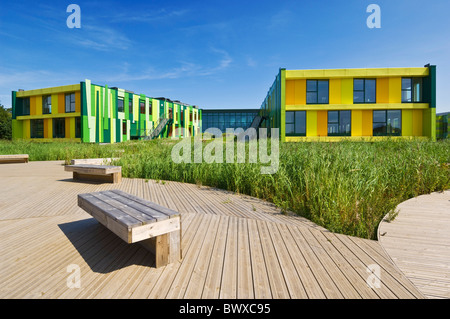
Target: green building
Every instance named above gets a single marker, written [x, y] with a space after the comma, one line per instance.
[94, 113]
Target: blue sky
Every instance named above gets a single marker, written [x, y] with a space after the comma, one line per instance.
[214, 54]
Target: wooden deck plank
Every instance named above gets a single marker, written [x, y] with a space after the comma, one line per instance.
[211, 289]
[323, 278]
[234, 247]
[244, 272]
[228, 287]
[261, 283]
[312, 287]
[418, 242]
[275, 275]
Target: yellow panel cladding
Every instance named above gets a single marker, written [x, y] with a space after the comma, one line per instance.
[382, 90]
[77, 102]
[377, 106]
[335, 91]
[38, 105]
[351, 73]
[300, 92]
[72, 127]
[296, 92]
[52, 90]
[290, 92]
[357, 122]
[54, 103]
[395, 90]
[407, 122]
[67, 127]
[367, 123]
[49, 127]
[417, 118]
[311, 123]
[26, 129]
[61, 103]
[347, 91]
[322, 123]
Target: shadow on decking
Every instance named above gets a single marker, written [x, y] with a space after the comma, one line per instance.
[101, 249]
[93, 182]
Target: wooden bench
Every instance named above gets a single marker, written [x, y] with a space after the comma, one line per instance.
[105, 173]
[134, 219]
[15, 158]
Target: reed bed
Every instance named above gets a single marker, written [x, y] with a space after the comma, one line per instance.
[346, 187]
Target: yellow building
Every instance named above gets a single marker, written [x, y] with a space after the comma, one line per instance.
[352, 104]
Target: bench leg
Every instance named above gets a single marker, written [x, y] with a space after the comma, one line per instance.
[166, 248]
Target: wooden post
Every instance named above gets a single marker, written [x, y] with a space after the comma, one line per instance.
[166, 248]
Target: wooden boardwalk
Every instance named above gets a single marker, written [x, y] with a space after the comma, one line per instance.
[418, 241]
[233, 247]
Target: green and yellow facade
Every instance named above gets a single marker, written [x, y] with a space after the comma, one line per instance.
[360, 104]
[88, 112]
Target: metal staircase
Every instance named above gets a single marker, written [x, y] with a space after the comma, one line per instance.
[162, 123]
[257, 122]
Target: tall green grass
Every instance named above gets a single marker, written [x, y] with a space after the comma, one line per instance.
[346, 187]
[61, 150]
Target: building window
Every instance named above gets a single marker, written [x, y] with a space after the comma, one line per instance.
[387, 123]
[47, 104]
[411, 90]
[124, 128]
[59, 128]
[317, 91]
[364, 91]
[37, 128]
[296, 123]
[70, 103]
[142, 107]
[339, 123]
[150, 108]
[120, 105]
[26, 106]
[130, 105]
[78, 127]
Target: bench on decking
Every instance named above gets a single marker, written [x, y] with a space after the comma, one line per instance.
[14, 158]
[105, 173]
[134, 219]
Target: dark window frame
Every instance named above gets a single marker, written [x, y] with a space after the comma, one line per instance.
[37, 128]
[56, 128]
[317, 92]
[26, 106]
[124, 127]
[413, 90]
[46, 107]
[294, 123]
[119, 107]
[141, 106]
[72, 104]
[78, 127]
[364, 90]
[386, 123]
[339, 124]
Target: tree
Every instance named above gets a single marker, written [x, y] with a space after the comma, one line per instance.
[5, 123]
